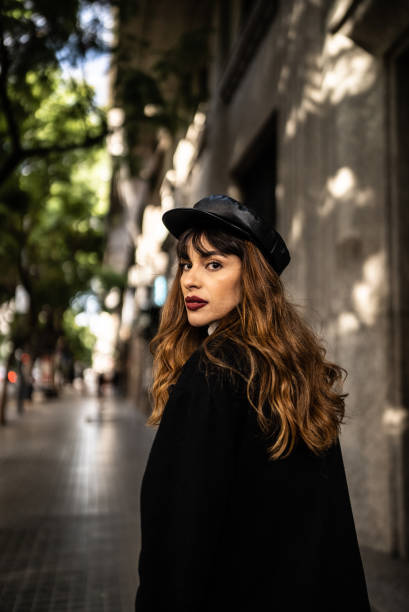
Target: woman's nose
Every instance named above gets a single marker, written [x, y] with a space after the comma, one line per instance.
[191, 278]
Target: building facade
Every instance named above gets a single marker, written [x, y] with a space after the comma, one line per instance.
[305, 119]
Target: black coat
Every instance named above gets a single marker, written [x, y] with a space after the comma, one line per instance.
[225, 529]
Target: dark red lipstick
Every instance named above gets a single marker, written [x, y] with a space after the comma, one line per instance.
[194, 303]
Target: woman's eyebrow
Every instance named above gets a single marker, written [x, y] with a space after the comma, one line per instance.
[212, 254]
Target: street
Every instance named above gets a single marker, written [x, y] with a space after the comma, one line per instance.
[70, 473]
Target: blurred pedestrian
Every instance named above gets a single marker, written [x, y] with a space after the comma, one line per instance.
[244, 501]
[117, 383]
[101, 382]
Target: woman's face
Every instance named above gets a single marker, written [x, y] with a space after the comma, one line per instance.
[211, 284]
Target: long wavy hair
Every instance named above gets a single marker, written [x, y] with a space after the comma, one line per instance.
[294, 390]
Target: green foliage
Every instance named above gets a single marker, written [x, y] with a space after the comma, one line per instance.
[38, 116]
[64, 112]
[52, 226]
[54, 173]
[80, 340]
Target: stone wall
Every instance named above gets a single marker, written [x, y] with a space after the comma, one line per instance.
[328, 95]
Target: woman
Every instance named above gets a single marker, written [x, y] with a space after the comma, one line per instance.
[244, 501]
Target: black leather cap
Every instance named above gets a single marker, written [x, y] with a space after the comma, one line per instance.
[222, 212]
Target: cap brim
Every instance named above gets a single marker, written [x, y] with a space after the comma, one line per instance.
[178, 220]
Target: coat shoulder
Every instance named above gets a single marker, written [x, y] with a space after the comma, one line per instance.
[227, 374]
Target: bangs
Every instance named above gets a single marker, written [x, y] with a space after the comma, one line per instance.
[227, 244]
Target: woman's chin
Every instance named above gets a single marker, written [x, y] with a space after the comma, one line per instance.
[197, 320]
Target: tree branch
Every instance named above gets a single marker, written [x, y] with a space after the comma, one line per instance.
[18, 153]
[89, 141]
[4, 98]
[16, 157]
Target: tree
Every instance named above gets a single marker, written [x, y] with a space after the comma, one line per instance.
[51, 220]
[35, 35]
[51, 242]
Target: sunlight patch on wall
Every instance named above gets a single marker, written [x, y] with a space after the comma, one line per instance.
[182, 160]
[365, 197]
[291, 124]
[297, 226]
[149, 256]
[342, 70]
[368, 294]
[348, 69]
[311, 99]
[295, 18]
[343, 187]
[283, 78]
[187, 149]
[336, 44]
[347, 323]
[338, 188]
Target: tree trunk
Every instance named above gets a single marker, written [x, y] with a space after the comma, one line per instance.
[21, 387]
[3, 401]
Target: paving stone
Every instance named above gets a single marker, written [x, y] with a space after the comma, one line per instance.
[70, 473]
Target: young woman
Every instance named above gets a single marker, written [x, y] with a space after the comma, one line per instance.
[244, 501]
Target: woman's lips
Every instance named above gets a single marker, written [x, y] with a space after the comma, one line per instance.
[194, 303]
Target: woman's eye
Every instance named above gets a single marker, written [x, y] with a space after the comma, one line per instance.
[185, 266]
[215, 265]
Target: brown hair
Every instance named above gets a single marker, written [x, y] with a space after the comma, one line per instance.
[295, 392]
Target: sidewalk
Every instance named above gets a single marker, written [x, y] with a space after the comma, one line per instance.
[388, 581]
[70, 473]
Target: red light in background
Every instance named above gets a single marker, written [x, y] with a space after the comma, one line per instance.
[12, 377]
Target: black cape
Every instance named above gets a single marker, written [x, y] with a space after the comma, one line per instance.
[223, 528]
